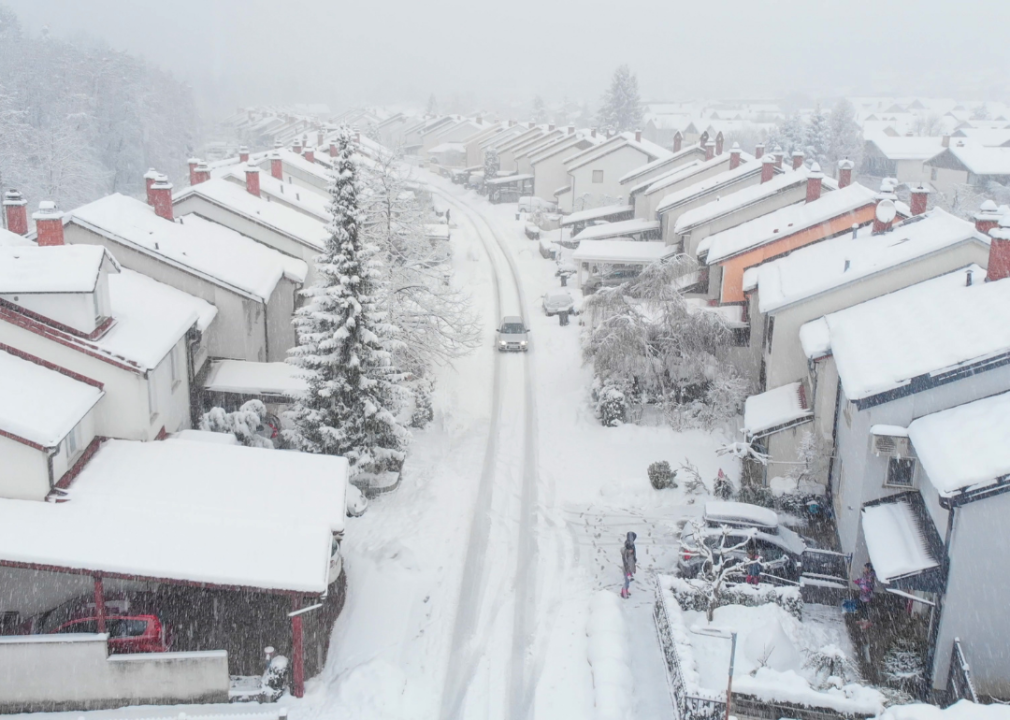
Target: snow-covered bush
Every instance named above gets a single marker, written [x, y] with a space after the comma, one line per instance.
[756, 495]
[693, 484]
[247, 423]
[903, 666]
[695, 594]
[832, 667]
[275, 679]
[661, 476]
[611, 404]
[423, 412]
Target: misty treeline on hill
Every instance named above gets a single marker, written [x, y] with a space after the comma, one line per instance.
[79, 120]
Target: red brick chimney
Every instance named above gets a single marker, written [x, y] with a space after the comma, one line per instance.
[884, 215]
[734, 156]
[638, 136]
[719, 142]
[16, 212]
[243, 154]
[759, 151]
[252, 180]
[310, 155]
[202, 173]
[920, 197]
[276, 167]
[767, 168]
[319, 138]
[798, 158]
[149, 177]
[161, 195]
[845, 173]
[571, 129]
[778, 154]
[987, 218]
[193, 162]
[709, 150]
[333, 149]
[814, 180]
[297, 147]
[678, 141]
[48, 224]
[999, 251]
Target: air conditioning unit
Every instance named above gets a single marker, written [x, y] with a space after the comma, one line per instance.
[891, 446]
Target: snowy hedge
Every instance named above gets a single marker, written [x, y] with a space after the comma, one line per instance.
[691, 595]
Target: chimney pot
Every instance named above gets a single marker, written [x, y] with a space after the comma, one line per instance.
[571, 129]
[593, 132]
[276, 167]
[678, 141]
[252, 180]
[920, 197]
[149, 177]
[638, 136]
[202, 173]
[319, 138]
[161, 195]
[48, 224]
[310, 155]
[709, 150]
[999, 251]
[945, 141]
[16, 211]
[814, 183]
[987, 218]
[333, 149]
[798, 157]
[734, 156]
[767, 168]
[759, 151]
[193, 162]
[243, 154]
[719, 141]
[778, 155]
[844, 173]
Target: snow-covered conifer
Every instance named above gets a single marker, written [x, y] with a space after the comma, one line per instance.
[540, 115]
[492, 163]
[818, 139]
[345, 340]
[622, 107]
[845, 136]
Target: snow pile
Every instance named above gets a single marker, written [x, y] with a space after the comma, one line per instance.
[32, 269]
[895, 541]
[610, 657]
[961, 710]
[774, 408]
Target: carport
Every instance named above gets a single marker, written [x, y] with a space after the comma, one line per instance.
[236, 544]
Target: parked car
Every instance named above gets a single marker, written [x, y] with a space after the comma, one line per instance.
[131, 628]
[746, 525]
[556, 301]
[513, 335]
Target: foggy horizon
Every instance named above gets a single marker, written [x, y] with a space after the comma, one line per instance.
[399, 54]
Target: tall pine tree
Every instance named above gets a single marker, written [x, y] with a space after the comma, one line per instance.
[354, 394]
[622, 107]
[540, 114]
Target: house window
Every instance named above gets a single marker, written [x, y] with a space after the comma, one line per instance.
[152, 395]
[932, 173]
[847, 414]
[72, 442]
[900, 471]
[597, 176]
[769, 331]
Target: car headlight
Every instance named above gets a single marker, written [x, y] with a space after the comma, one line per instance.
[502, 343]
[523, 343]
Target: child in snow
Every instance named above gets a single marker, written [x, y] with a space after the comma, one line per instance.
[629, 559]
[867, 584]
[753, 567]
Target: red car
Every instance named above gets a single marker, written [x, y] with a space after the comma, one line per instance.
[129, 631]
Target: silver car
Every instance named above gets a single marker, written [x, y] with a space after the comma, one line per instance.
[513, 335]
[556, 301]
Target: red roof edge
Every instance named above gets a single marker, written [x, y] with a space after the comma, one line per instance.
[51, 366]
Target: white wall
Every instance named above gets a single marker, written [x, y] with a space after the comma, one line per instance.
[614, 165]
[646, 202]
[672, 214]
[75, 672]
[24, 471]
[76, 310]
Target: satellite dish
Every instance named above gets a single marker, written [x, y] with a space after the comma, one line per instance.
[886, 212]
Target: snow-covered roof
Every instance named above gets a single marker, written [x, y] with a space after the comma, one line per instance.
[987, 137]
[9, 239]
[34, 269]
[775, 408]
[964, 446]
[206, 248]
[448, 147]
[815, 338]
[41, 405]
[618, 229]
[736, 512]
[649, 149]
[928, 329]
[907, 148]
[569, 144]
[682, 154]
[508, 179]
[302, 198]
[787, 221]
[710, 185]
[255, 378]
[739, 199]
[298, 162]
[895, 541]
[199, 512]
[596, 213]
[621, 251]
[982, 160]
[284, 220]
[688, 171]
[830, 264]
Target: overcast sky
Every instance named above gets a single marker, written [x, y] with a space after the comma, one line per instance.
[343, 52]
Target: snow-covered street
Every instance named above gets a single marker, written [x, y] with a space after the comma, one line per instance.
[469, 587]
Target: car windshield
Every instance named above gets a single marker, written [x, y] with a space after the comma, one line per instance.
[126, 627]
[513, 329]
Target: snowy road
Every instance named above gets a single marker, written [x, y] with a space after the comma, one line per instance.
[501, 534]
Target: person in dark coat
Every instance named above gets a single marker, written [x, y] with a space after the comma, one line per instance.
[753, 567]
[629, 560]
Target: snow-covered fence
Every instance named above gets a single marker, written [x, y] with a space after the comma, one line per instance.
[961, 685]
[76, 672]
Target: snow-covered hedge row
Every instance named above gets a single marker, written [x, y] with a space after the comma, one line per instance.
[610, 658]
[692, 595]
